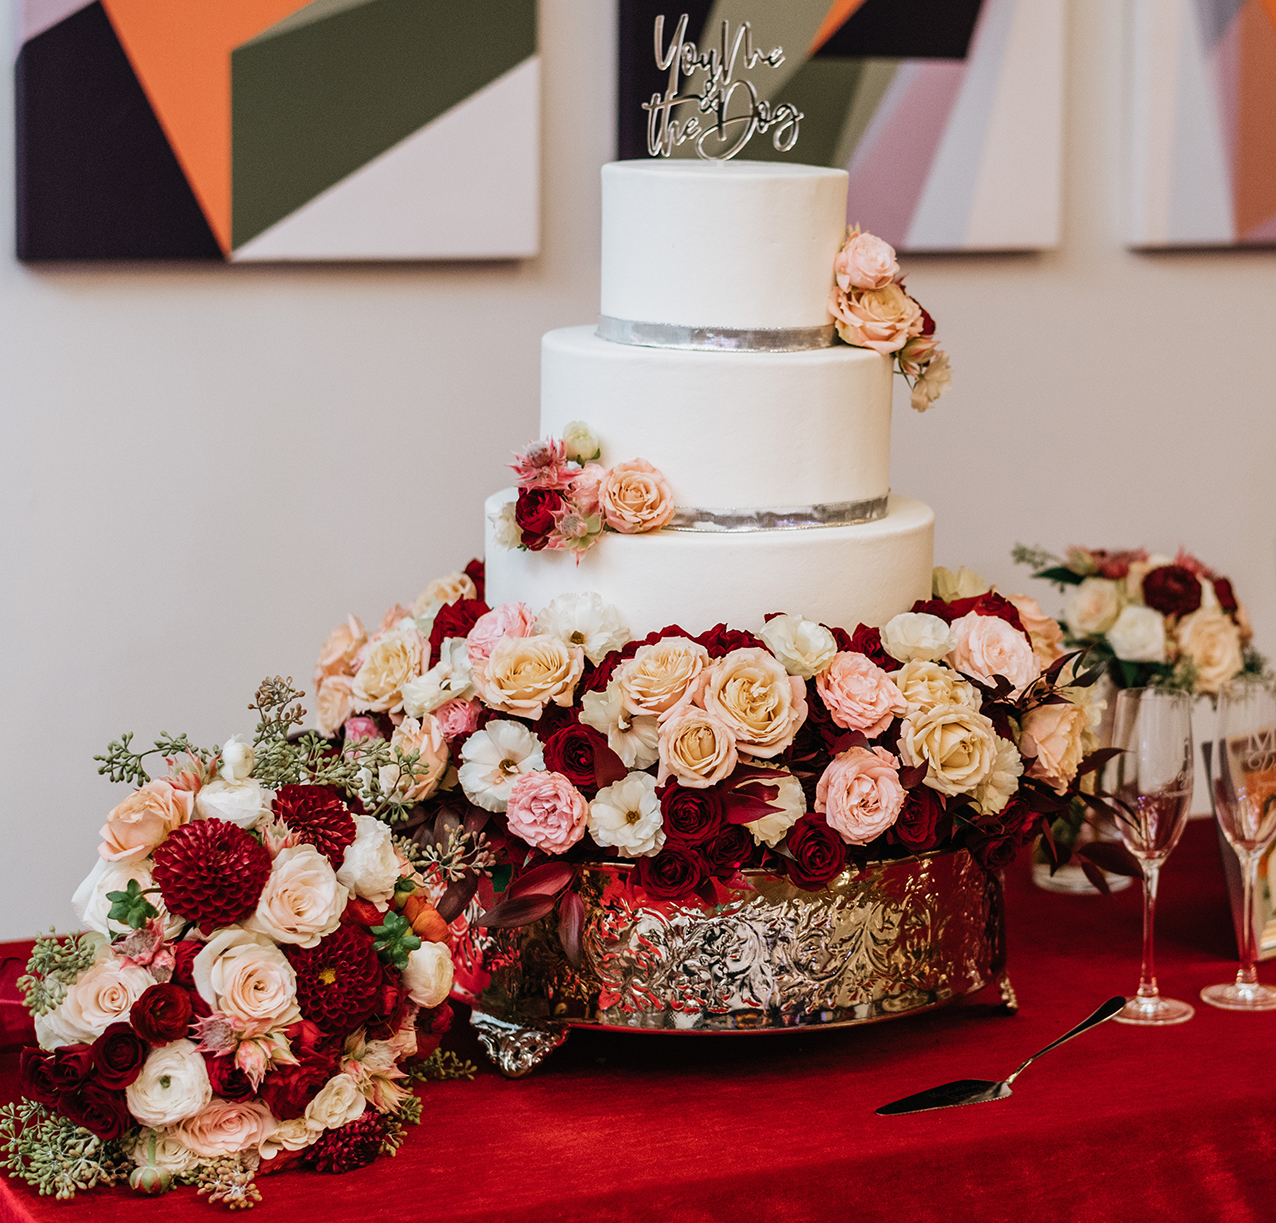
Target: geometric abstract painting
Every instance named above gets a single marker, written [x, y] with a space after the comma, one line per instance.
[947, 114]
[1202, 114]
[277, 129]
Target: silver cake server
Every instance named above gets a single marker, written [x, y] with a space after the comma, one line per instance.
[978, 1091]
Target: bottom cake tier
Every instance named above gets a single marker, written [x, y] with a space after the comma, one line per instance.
[848, 575]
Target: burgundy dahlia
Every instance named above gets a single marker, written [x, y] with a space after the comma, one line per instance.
[319, 817]
[211, 872]
[1173, 590]
[338, 980]
[354, 1145]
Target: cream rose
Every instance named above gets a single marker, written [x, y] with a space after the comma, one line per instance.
[292, 1135]
[245, 977]
[751, 694]
[426, 739]
[159, 1149]
[860, 794]
[524, 674]
[635, 738]
[370, 868]
[635, 498]
[804, 647]
[302, 901]
[1138, 635]
[334, 703]
[102, 995]
[958, 745]
[225, 1127]
[336, 657]
[428, 975]
[859, 695]
[913, 636]
[881, 319]
[143, 820]
[450, 589]
[243, 803]
[1053, 735]
[1092, 607]
[697, 748]
[950, 586]
[1213, 643]
[658, 675]
[173, 1085]
[790, 798]
[338, 1102]
[988, 646]
[504, 620]
[927, 684]
[393, 659]
[1047, 636]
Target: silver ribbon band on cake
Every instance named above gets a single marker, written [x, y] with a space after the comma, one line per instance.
[779, 518]
[714, 339]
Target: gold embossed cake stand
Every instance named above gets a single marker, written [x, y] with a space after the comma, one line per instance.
[902, 937]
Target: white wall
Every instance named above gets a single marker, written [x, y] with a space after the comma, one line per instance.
[204, 468]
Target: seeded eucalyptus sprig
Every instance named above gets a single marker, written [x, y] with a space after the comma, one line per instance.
[53, 1155]
[56, 963]
[121, 763]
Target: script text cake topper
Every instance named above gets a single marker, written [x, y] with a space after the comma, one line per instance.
[732, 131]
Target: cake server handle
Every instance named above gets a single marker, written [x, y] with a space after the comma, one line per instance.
[1106, 1011]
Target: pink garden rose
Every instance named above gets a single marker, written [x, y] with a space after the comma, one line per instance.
[881, 319]
[143, 820]
[337, 654]
[507, 620]
[859, 694]
[457, 718]
[547, 811]
[988, 646]
[634, 498]
[224, 1127]
[865, 262]
[359, 728]
[1047, 636]
[860, 794]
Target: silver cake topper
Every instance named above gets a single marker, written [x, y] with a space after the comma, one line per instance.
[682, 59]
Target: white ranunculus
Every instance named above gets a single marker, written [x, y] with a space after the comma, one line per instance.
[581, 442]
[636, 740]
[993, 793]
[173, 1085]
[338, 1103]
[917, 637]
[506, 533]
[627, 815]
[243, 803]
[1138, 635]
[950, 586]
[803, 646]
[243, 975]
[102, 995]
[302, 901]
[1092, 607]
[585, 620]
[450, 679]
[238, 759]
[91, 904]
[770, 829]
[370, 868]
[428, 975]
[493, 758]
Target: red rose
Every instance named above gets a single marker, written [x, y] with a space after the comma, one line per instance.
[576, 751]
[923, 821]
[361, 913]
[227, 1079]
[34, 1074]
[98, 1110]
[673, 874]
[818, 853]
[184, 954]
[1172, 590]
[868, 641]
[289, 1089]
[690, 816]
[1225, 595]
[534, 514]
[477, 573]
[721, 640]
[431, 1027]
[391, 1008]
[118, 1055]
[728, 851]
[454, 620]
[990, 844]
[163, 1013]
[72, 1064]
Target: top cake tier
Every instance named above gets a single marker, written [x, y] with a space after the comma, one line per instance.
[736, 246]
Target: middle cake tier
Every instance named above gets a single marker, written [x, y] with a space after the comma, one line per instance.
[730, 430]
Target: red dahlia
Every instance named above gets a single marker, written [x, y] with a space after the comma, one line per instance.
[318, 816]
[339, 980]
[211, 872]
[354, 1145]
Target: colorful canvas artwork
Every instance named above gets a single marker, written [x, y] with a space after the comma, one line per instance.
[1202, 111]
[946, 113]
[277, 129]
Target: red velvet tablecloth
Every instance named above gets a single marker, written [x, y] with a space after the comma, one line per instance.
[1179, 1123]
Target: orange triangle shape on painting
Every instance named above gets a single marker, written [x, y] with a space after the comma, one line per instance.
[180, 51]
[841, 12]
[1254, 190]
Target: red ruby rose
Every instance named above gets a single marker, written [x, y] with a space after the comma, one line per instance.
[98, 1110]
[868, 641]
[721, 640]
[72, 1064]
[288, 1089]
[990, 844]
[184, 954]
[728, 851]
[227, 1079]
[118, 1056]
[431, 1026]
[362, 913]
[35, 1075]
[1173, 590]
[534, 514]
[818, 853]
[454, 620]
[1225, 595]
[477, 573]
[163, 1013]
[923, 822]
[690, 816]
[576, 752]
[673, 874]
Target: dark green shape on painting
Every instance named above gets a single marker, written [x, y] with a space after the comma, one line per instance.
[314, 102]
[822, 89]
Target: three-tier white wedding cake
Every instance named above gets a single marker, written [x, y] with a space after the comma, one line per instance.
[715, 359]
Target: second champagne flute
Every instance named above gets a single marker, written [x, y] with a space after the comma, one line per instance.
[1153, 729]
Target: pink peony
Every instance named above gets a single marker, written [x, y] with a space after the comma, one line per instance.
[865, 262]
[859, 694]
[544, 464]
[860, 794]
[457, 718]
[634, 498]
[547, 811]
[988, 646]
[507, 620]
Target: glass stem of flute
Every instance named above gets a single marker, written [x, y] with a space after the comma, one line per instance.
[1147, 978]
[1248, 974]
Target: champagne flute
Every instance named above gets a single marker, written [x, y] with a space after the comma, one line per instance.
[1153, 729]
[1245, 806]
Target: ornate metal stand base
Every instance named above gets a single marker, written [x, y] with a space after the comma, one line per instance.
[515, 1050]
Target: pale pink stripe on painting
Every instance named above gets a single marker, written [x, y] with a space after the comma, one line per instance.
[890, 166]
[40, 15]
